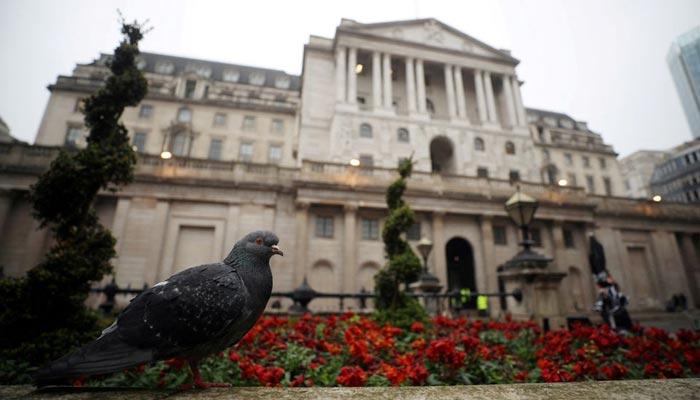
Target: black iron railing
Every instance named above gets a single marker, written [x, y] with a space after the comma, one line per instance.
[304, 294]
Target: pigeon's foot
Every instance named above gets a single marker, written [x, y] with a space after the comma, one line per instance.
[203, 385]
[198, 382]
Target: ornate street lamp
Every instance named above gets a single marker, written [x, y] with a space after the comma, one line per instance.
[521, 209]
[425, 246]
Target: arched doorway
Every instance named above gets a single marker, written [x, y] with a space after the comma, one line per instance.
[460, 267]
[442, 155]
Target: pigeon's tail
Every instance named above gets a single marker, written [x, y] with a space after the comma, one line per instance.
[104, 355]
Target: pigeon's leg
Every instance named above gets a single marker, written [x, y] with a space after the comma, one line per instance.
[198, 382]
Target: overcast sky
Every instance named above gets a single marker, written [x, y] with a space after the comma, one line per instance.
[600, 61]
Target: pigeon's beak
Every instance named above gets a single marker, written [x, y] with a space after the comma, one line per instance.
[276, 250]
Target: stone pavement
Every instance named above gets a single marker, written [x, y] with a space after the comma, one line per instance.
[610, 390]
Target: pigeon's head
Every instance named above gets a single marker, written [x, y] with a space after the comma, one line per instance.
[262, 244]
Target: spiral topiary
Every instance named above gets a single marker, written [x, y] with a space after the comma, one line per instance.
[403, 266]
[43, 313]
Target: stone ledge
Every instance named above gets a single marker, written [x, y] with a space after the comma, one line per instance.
[607, 390]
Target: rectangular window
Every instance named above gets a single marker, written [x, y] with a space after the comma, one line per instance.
[602, 163]
[366, 164]
[139, 142]
[274, 154]
[369, 229]
[499, 235]
[514, 175]
[324, 227]
[482, 172]
[74, 136]
[146, 111]
[277, 126]
[536, 237]
[249, 123]
[569, 159]
[190, 85]
[215, 149]
[608, 186]
[586, 162]
[572, 179]
[219, 119]
[590, 184]
[568, 238]
[414, 232]
[245, 153]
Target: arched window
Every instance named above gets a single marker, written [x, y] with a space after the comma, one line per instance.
[479, 144]
[366, 130]
[177, 144]
[430, 106]
[510, 148]
[184, 115]
[402, 135]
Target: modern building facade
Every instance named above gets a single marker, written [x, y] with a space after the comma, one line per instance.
[637, 169]
[678, 177]
[310, 157]
[684, 62]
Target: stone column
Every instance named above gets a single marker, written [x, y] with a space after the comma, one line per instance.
[510, 102]
[302, 243]
[160, 222]
[349, 268]
[340, 73]
[410, 86]
[438, 252]
[480, 97]
[352, 75]
[459, 88]
[486, 226]
[6, 198]
[691, 262]
[387, 80]
[490, 99]
[450, 91]
[121, 214]
[420, 85]
[519, 108]
[376, 80]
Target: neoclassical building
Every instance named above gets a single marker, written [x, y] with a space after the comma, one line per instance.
[310, 157]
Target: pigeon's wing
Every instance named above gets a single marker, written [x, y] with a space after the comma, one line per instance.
[190, 308]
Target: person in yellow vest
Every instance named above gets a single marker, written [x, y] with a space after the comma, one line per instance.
[482, 305]
[465, 295]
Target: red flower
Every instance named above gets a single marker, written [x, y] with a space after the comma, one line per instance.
[176, 363]
[352, 376]
[417, 327]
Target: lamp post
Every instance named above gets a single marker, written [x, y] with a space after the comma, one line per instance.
[427, 282]
[521, 209]
[425, 246]
[528, 270]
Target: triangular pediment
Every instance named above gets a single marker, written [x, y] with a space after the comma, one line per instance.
[430, 32]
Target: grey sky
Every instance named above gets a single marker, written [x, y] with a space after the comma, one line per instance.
[598, 60]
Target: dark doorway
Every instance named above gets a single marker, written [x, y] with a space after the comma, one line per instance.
[460, 268]
[442, 155]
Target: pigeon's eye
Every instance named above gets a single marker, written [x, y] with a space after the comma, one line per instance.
[259, 241]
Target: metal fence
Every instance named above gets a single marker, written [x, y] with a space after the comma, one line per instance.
[304, 294]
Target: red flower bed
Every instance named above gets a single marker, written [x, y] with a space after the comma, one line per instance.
[352, 350]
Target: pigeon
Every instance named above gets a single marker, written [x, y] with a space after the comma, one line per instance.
[192, 314]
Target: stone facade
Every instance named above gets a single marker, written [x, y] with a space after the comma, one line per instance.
[637, 169]
[374, 93]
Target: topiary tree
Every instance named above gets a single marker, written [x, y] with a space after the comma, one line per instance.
[43, 314]
[403, 266]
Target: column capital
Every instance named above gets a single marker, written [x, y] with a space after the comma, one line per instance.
[350, 207]
[302, 205]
